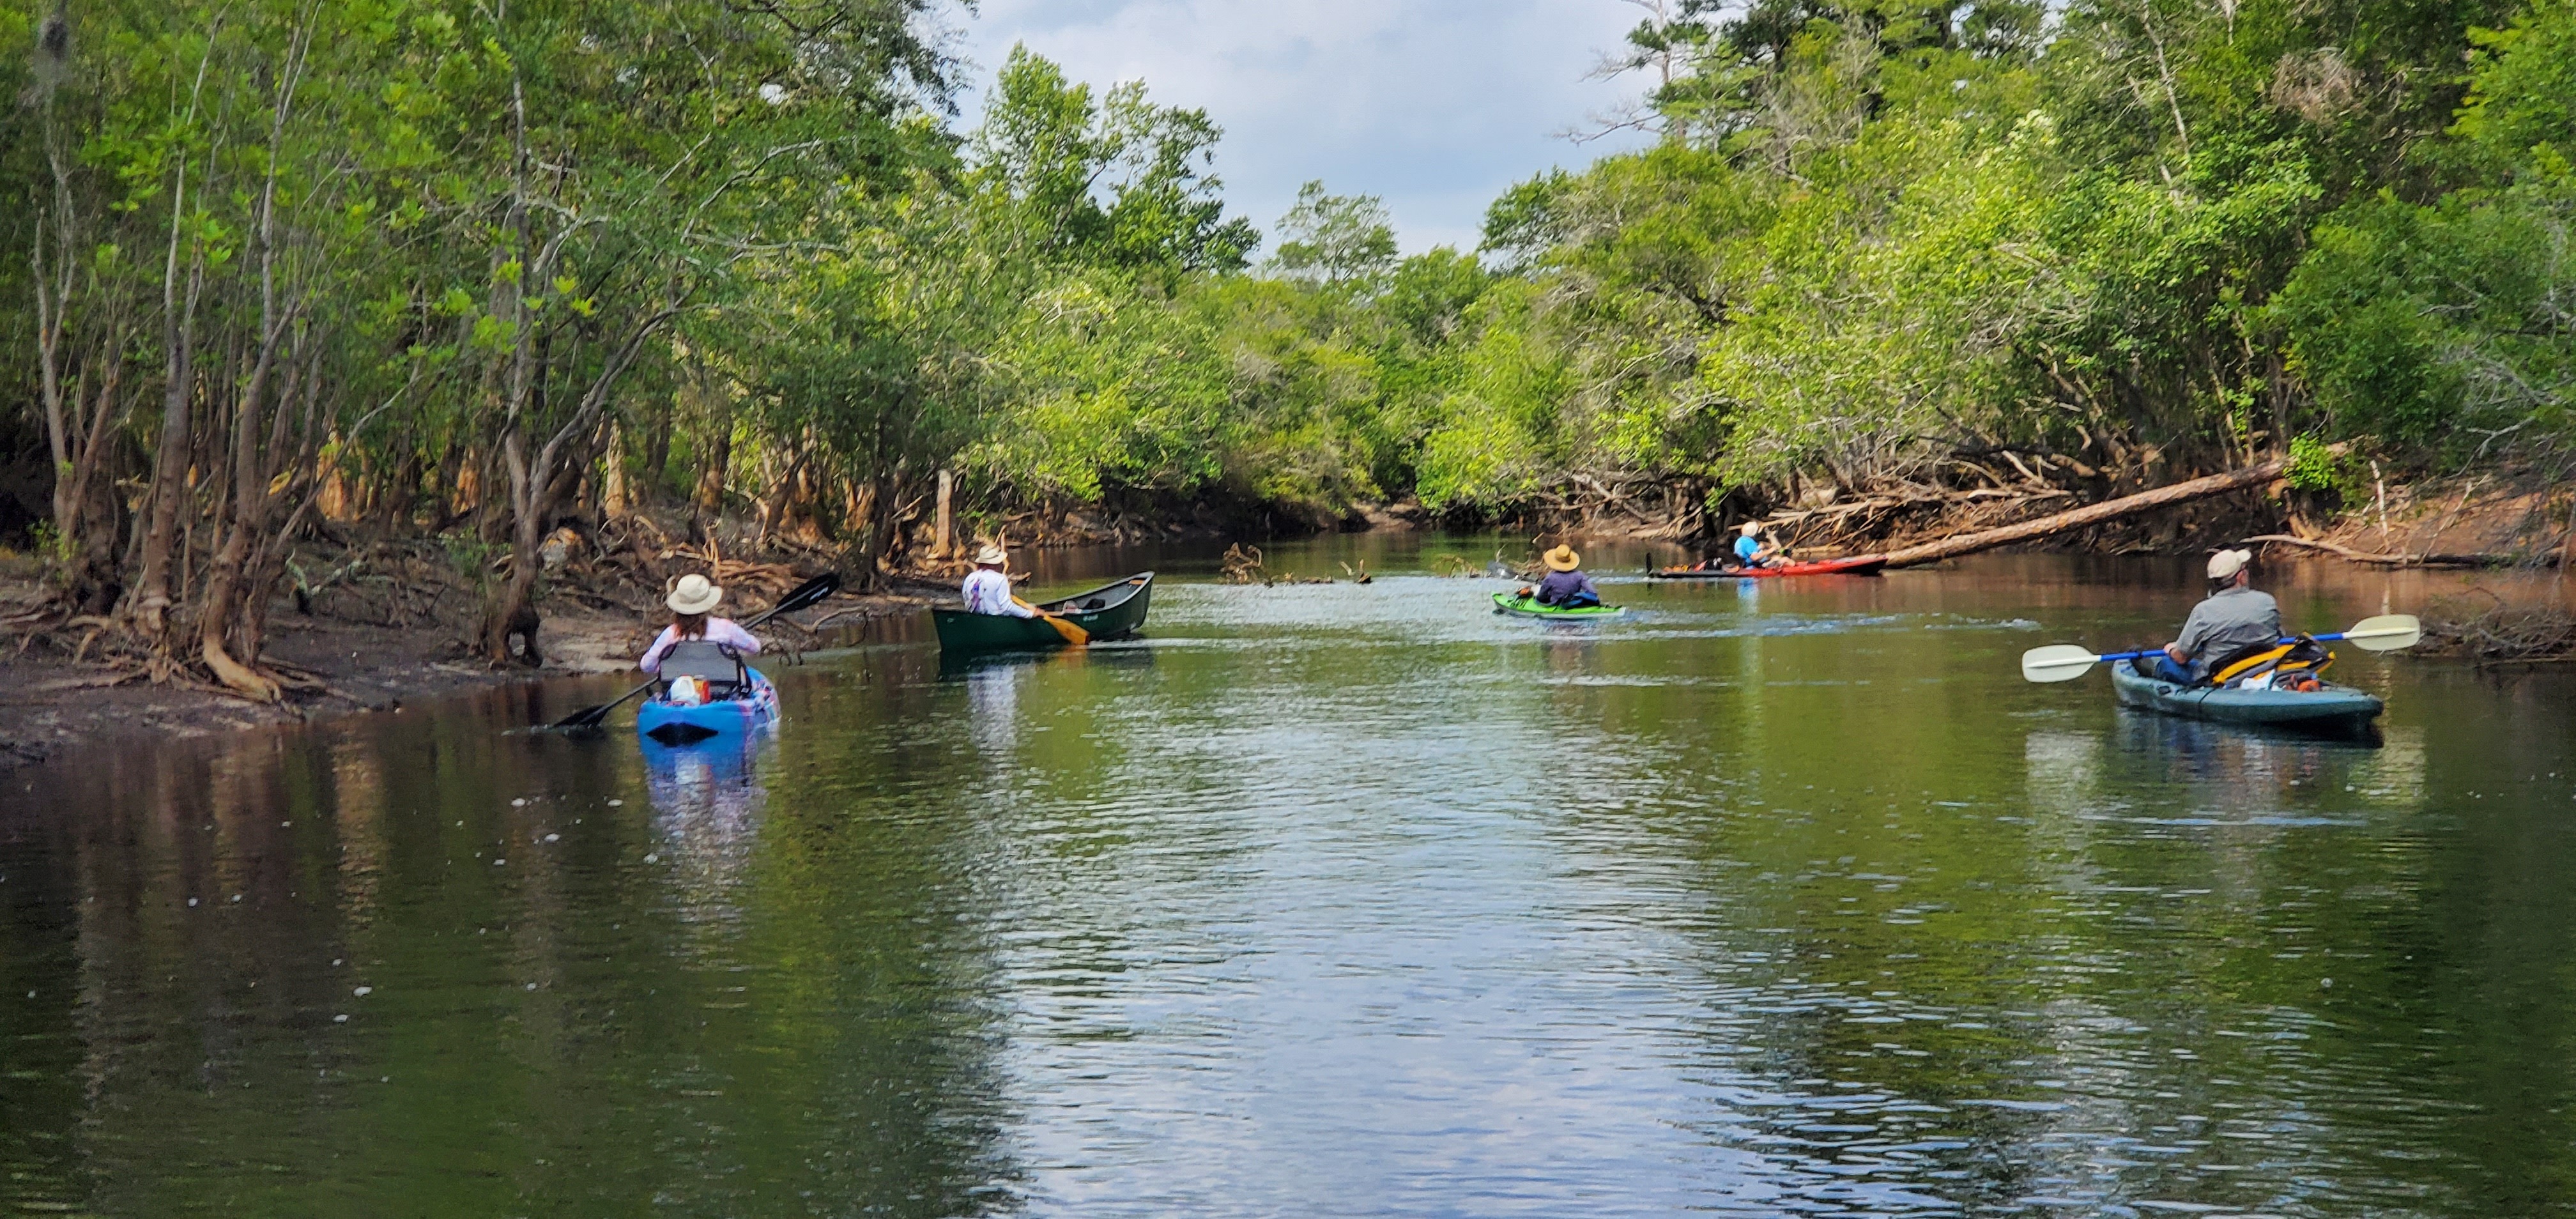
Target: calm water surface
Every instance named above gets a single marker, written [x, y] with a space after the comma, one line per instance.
[1335, 899]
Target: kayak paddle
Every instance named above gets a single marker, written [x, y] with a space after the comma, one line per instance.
[797, 598]
[2066, 661]
[1071, 630]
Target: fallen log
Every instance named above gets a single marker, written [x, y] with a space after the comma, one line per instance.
[2472, 559]
[2090, 514]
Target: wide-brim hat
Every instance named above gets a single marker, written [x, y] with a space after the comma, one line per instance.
[2224, 564]
[1562, 558]
[990, 555]
[695, 594]
[1749, 528]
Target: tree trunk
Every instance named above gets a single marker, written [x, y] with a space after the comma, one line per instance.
[943, 537]
[657, 457]
[170, 465]
[2094, 514]
[614, 500]
[716, 457]
[876, 502]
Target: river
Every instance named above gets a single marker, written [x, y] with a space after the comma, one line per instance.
[1336, 899]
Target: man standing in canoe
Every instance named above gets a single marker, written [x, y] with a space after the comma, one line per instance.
[2233, 618]
[988, 589]
[1564, 586]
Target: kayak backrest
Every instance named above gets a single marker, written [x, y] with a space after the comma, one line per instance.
[717, 664]
[2302, 654]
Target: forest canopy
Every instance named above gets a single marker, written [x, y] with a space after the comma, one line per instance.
[475, 270]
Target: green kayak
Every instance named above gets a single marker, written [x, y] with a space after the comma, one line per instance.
[1506, 603]
[1111, 611]
[2330, 706]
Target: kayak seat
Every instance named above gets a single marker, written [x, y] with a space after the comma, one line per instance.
[719, 666]
[2301, 659]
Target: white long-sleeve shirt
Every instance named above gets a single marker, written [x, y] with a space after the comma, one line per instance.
[719, 630]
[989, 592]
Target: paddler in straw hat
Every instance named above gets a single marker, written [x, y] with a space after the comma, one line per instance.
[691, 601]
[1565, 586]
[988, 587]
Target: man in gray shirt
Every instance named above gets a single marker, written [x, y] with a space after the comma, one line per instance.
[2232, 618]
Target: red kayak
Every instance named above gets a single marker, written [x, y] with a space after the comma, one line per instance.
[1859, 565]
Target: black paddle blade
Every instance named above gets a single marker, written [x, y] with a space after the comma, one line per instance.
[806, 594]
[681, 734]
[587, 717]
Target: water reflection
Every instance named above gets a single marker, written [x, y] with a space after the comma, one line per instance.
[707, 801]
[1333, 899]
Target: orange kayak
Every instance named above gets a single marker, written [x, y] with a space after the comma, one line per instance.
[1860, 565]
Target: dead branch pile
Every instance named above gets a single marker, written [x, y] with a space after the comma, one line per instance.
[1242, 565]
[2502, 633]
[2430, 559]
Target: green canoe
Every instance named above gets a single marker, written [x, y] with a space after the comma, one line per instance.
[1111, 611]
[2334, 705]
[1506, 603]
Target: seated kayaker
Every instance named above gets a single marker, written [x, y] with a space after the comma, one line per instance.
[2234, 618]
[1564, 586]
[1749, 550]
[691, 601]
[988, 587]
[1746, 551]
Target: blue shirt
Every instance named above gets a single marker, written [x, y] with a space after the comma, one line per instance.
[1560, 585]
[1746, 548]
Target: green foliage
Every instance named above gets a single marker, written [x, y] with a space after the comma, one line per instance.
[1337, 239]
[2312, 466]
[2146, 237]
[2441, 324]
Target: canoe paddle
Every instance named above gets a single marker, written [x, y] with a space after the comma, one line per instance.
[797, 598]
[1071, 630]
[2066, 661]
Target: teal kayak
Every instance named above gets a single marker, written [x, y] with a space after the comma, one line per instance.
[2331, 705]
[1506, 603]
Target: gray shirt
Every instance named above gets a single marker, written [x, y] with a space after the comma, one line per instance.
[2228, 620]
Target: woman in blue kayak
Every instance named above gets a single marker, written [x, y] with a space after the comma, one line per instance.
[691, 602]
[1565, 586]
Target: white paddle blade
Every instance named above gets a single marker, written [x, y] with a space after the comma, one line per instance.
[2386, 633]
[2056, 662]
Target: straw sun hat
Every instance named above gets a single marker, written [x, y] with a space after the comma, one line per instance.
[1562, 558]
[695, 595]
[990, 555]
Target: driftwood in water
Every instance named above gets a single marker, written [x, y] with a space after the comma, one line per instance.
[2092, 514]
[2471, 559]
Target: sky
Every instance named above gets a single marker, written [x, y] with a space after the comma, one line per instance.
[1435, 106]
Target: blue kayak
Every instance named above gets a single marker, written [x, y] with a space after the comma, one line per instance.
[672, 724]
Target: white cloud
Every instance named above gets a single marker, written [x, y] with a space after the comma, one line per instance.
[1434, 105]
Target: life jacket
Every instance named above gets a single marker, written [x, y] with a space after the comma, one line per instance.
[2286, 666]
